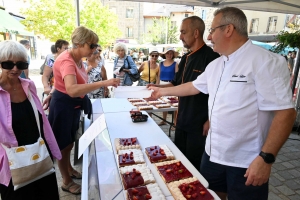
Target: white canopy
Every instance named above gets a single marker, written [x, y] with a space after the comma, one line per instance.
[279, 6]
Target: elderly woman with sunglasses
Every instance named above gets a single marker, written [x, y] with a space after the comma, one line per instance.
[150, 70]
[94, 66]
[123, 65]
[19, 125]
[69, 98]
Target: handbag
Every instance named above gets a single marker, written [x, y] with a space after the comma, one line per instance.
[30, 162]
[133, 77]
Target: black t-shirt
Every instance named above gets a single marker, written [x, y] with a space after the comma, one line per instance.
[193, 110]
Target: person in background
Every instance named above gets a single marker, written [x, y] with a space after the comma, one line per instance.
[249, 120]
[154, 76]
[47, 78]
[291, 61]
[123, 65]
[135, 56]
[25, 73]
[19, 126]
[168, 68]
[69, 98]
[94, 67]
[192, 119]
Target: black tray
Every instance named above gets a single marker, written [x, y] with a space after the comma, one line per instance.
[139, 118]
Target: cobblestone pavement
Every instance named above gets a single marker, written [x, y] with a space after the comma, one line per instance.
[284, 183]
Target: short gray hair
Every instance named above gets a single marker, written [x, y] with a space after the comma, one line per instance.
[120, 46]
[196, 23]
[234, 16]
[12, 50]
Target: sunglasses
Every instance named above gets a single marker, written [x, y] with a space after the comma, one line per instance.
[93, 46]
[10, 65]
[156, 56]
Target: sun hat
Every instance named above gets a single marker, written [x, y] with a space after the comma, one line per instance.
[154, 50]
[167, 49]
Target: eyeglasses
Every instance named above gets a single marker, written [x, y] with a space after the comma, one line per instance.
[93, 46]
[212, 30]
[156, 56]
[10, 65]
[66, 48]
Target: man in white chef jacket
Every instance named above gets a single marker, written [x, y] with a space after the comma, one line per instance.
[251, 112]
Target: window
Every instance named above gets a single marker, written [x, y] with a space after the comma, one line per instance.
[129, 13]
[203, 15]
[272, 25]
[254, 26]
[173, 24]
[129, 32]
[186, 15]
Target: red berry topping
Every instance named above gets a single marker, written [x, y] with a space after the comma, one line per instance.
[202, 192]
[148, 196]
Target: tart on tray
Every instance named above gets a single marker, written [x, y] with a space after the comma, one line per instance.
[127, 143]
[136, 175]
[159, 153]
[130, 157]
[190, 188]
[150, 191]
[172, 170]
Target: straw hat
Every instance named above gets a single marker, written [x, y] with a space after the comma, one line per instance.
[167, 49]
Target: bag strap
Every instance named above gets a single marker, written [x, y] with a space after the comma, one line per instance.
[149, 70]
[35, 111]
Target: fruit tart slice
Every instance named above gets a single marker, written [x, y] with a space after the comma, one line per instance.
[190, 188]
[172, 170]
[127, 143]
[136, 175]
[150, 191]
[130, 157]
[159, 153]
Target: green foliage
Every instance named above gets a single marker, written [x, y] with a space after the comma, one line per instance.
[56, 19]
[286, 39]
[53, 19]
[99, 18]
[162, 32]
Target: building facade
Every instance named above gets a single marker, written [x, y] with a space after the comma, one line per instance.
[130, 19]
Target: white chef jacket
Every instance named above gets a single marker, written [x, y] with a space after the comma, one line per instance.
[244, 88]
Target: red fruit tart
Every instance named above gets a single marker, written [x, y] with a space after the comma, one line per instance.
[135, 100]
[127, 143]
[172, 170]
[130, 157]
[162, 105]
[190, 188]
[145, 107]
[151, 191]
[136, 175]
[159, 153]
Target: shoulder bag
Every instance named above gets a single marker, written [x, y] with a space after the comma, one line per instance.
[30, 162]
[133, 77]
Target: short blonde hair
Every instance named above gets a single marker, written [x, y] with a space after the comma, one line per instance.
[120, 46]
[12, 50]
[81, 35]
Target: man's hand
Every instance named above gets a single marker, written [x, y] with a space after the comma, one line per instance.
[205, 128]
[258, 172]
[151, 85]
[156, 93]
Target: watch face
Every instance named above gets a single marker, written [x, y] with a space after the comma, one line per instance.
[268, 157]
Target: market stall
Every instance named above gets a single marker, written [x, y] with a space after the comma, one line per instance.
[100, 164]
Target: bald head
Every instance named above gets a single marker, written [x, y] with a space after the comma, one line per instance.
[196, 23]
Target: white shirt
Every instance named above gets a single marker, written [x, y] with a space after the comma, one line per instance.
[243, 91]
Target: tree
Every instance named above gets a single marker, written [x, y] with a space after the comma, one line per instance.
[56, 19]
[162, 32]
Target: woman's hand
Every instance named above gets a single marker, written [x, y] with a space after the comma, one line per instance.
[113, 82]
[46, 102]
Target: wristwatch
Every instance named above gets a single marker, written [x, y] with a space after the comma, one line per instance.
[268, 157]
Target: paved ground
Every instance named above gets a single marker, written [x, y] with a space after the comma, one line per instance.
[285, 175]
